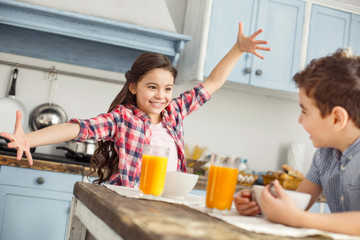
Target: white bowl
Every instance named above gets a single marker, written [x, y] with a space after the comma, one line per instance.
[301, 200]
[179, 184]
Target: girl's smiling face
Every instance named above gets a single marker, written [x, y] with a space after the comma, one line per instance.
[319, 128]
[153, 92]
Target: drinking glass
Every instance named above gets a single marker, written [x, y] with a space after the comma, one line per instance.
[221, 182]
[153, 169]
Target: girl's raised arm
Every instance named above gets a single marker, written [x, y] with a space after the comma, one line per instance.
[222, 70]
[50, 135]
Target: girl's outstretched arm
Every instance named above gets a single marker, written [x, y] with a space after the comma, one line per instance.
[50, 135]
[222, 70]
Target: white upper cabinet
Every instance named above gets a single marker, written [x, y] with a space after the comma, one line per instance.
[296, 30]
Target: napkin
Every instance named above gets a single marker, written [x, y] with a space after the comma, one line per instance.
[260, 224]
[257, 224]
[190, 199]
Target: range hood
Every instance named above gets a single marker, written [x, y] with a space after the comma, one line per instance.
[62, 36]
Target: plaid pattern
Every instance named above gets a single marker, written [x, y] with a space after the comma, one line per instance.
[339, 176]
[129, 128]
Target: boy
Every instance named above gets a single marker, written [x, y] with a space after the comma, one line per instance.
[329, 95]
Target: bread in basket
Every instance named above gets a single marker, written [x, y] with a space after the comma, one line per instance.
[290, 179]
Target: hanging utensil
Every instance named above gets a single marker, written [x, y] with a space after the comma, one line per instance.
[8, 107]
[50, 113]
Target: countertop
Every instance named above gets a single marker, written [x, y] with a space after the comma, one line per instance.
[84, 169]
[53, 166]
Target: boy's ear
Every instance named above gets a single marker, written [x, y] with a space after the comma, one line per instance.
[340, 117]
[132, 88]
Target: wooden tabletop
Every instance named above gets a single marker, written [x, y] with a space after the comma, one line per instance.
[147, 219]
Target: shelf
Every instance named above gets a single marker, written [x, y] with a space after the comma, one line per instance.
[68, 37]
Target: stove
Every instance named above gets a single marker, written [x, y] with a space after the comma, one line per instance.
[67, 158]
[4, 150]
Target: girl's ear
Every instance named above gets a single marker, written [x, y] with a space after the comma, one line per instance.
[340, 117]
[132, 88]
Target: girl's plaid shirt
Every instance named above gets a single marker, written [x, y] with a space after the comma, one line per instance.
[129, 128]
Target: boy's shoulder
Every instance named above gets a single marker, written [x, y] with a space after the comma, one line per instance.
[332, 153]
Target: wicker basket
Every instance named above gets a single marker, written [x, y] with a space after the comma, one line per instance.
[247, 179]
[290, 184]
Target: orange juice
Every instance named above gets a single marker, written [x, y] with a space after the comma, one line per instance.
[152, 177]
[221, 187]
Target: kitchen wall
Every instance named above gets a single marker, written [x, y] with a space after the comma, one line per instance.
[249, 124]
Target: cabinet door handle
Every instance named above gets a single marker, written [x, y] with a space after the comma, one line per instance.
[247, 70]
[258, 72]
[40, 180]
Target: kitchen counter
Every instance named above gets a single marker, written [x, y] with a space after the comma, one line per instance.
[99, 212]
[84, 169]
[53, 166]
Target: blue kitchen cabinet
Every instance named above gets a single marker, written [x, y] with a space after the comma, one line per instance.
[355, 33]
[315, 208]
[89, 179]
[326, 209]
[89, 41]
[282, 21]
[297, 31]
[34, 204]
[198, 192]
[324, 23]
[320, 207]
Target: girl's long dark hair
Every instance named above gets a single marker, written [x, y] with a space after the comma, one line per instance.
[105, 159]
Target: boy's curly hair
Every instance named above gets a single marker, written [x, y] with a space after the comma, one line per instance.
[333, 81]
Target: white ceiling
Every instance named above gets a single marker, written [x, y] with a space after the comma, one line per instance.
[351, 2]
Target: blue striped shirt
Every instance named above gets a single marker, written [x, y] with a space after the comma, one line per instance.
[339, 176]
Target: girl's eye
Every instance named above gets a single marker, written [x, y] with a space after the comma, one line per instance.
[152, 87]
[168, 89]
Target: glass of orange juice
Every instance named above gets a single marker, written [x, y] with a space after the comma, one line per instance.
[153, 169]
[221, 182]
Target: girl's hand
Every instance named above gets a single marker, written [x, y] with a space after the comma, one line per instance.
[249, 44]
[18, 140]
[244, 203]
[279, 209]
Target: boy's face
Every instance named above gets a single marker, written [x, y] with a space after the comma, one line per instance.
[154, 92]
[319, 128]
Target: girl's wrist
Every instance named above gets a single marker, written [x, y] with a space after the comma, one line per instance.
[238, 48]
[30, 145]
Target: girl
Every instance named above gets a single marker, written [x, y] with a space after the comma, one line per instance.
[142, 113]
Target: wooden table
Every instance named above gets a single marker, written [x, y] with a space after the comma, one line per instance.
[99, 213]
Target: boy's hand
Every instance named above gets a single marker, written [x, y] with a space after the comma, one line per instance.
[249, 44]
[18, 140]
[244, 203]
[279, 209]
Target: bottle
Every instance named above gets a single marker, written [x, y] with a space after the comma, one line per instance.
[244, 167]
